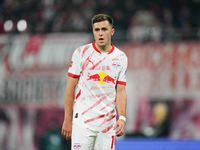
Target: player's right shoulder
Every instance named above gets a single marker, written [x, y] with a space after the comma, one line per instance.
[83, 49]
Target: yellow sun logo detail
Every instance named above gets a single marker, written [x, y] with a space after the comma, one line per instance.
[102, 76]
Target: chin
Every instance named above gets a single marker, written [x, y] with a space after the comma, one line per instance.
[102, 44]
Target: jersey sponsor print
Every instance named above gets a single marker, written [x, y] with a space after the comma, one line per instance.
[77, 146]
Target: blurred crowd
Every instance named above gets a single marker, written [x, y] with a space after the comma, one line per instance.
[151, 16]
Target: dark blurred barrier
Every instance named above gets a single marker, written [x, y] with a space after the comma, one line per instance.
[31, 128]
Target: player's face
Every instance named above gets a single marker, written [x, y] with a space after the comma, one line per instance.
[103, 32]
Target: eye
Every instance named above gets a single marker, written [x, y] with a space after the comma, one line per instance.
[96, 29]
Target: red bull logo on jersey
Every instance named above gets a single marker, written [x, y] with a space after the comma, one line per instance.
[77, 146]
[101, 78]
[116, 65]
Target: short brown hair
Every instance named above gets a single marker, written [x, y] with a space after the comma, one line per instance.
[102, 17]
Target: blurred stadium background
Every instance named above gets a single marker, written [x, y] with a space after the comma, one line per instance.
[161, 40]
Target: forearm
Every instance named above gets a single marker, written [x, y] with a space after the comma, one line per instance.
[69, 98]
[69, 101]
[121, 102]
[121, 106]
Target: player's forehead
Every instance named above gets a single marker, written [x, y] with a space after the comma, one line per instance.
[102, 24]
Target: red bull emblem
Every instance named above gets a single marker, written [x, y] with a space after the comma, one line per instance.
[116, 65]
[77, 146]
[101, 78]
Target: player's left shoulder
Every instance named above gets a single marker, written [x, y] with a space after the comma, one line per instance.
[121, 54]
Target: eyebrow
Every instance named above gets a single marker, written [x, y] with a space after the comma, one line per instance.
[103, 28]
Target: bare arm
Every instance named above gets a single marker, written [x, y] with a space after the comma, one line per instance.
[69, 101]
[121, 100]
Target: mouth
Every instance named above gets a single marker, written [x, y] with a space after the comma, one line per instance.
[101, 39]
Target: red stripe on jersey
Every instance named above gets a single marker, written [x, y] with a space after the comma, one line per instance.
[112, 117]
[121, 82]
[73, 75]
[107, 105]
[107, 129]
[71, 64]
[79, 93]
[94, 66]
[99, 117]
[86, 62]
[85, 49]
[79, 49]
[113, 142]
[94, 105]
[92, 119]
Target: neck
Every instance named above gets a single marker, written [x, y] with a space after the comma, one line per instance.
[105, 48]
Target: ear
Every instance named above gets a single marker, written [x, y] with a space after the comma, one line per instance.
[113, 31]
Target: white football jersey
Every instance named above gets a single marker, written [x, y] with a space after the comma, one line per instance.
[98, 73]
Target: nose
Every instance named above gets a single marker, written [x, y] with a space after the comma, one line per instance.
[100, 32]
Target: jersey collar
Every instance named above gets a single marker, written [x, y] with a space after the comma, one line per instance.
[112, 49]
